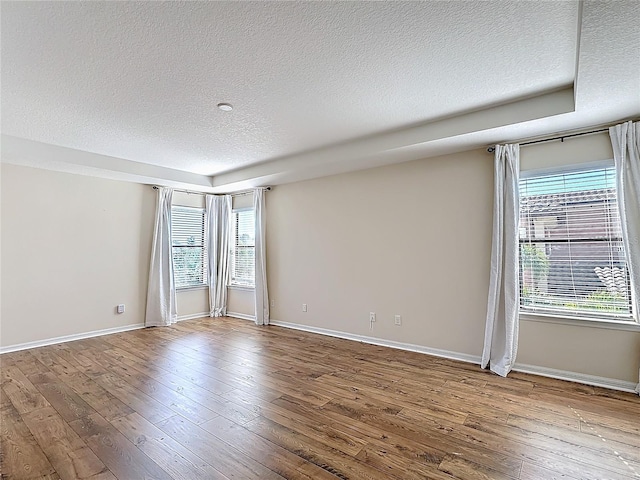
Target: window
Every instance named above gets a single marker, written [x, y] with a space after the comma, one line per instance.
[572, 261]
[188, 246]
[243, 248]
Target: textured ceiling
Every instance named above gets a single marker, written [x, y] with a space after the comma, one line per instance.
[140, 81]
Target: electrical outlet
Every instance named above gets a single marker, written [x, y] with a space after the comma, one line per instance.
[304, 307]
[372, 316]
[398, 320]
[120, 308]
[273, 303]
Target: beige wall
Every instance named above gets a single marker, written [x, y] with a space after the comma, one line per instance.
[192, 301]
[410, 239]
[73, 247]
[575, 150]
[414, 239]
[581, 349]
[242, 301]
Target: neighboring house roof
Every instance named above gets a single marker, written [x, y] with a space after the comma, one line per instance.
[556, 203]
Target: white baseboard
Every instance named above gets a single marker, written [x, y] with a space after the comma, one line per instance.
[611, 383]
[242, 316]
[70, 338]
[192, 316]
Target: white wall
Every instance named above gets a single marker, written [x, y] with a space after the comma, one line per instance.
[414, 239]
[73, 247]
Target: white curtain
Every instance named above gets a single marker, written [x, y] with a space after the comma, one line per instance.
[218, 210]
[625, 140]
[262, 295]
[161, 294]
[501, 331]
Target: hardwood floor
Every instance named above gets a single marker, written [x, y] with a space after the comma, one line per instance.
[224, 399]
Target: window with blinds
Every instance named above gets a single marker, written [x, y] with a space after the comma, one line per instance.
[188, 246]
[243, 248]
[572, 260]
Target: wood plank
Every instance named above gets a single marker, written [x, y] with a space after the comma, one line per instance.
[21, 456]
[22, 393]
[577, 438]
[69, 404]
[224, 458]
[459, 467]
[590, 463]
[272, 456]
[497, 405]
[333, 461]
[101, 400]
[314, 426]
[628, 411]
[610, 432]
[143, 404]
[171, 456]
[119, 454]
[27, 363]
[69, 455]
[531, 471]
[175, 400]
[189, 371]
[396, 466]
[433, 434]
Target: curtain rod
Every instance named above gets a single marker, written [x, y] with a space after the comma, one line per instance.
[237, 194]
[551, 139]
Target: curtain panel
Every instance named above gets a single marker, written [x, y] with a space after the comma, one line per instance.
[261, 292]
[625, 141]
[161, 294]
[218, 212]
[501, 330]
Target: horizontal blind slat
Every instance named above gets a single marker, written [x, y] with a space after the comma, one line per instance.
[189, 252]
[243, 250]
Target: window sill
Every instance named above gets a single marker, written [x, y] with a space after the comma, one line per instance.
[631, 325]
[194, 287]
[241, 287]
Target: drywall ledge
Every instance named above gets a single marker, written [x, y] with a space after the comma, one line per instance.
[70, 338]
[593, 380]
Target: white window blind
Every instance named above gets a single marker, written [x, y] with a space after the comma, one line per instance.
[572, 260]
[188, 246]
[243, 250]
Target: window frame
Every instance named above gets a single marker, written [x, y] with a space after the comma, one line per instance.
[205, 259]
[561, 317]
[232, 283]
